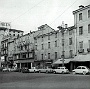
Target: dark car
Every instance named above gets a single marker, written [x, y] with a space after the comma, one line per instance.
[25, 70]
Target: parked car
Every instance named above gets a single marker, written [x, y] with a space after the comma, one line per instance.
[61, 70]
[25, 70]
[1, 69]
[33, 70]
[6, 69]
[81, 70]
[49, 70]
[42, 70]
[46, 70]
[12, 69]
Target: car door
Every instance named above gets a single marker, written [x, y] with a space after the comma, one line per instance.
[78, 70]
[83, 69]
[59, 70]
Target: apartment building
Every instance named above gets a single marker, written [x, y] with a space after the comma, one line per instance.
[82, 24]
[24, 51]
[7, 37]
[48, 47]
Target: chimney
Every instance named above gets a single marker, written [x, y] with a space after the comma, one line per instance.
[81, 6]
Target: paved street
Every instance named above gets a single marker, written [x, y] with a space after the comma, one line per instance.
[15, 80]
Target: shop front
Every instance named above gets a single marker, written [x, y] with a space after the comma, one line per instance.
[80, 60]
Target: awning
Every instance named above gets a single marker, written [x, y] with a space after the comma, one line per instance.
[81, 58]
[24, 61]
[59, 61]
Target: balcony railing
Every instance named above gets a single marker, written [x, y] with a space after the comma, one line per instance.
[81, 51]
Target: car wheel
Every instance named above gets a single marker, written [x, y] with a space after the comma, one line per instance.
[46, 71]
[54, 72]
[74, 72]
[34, 71]
[39, 71]
[84, 72]
[62, 72]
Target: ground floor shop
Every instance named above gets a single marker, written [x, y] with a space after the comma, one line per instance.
[43, 63]
[29, 63]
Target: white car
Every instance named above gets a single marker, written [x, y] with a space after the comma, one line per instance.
[6, 69]
[34, 70]
[81, 70]
[61, 70]
[46, 70]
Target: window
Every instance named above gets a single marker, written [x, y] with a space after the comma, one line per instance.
[89, 43]
[48, 44]
[78, 67]
[80, 16]
[35, 40]
[35, 47]
[55, 43]
[55, 55]
[89, 28]
[48, 37]
[70, 41]
[42, 56]
[13, 34]
[71, 53]
[88, 13]
[83, 67]
[80, 30]
[70, 32]
[48, 55]
[42, 47]
[55, 35]
[81, 45]
[21, 47]
[23, 55]
[42, 38]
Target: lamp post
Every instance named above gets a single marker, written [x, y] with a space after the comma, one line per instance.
[62, 30]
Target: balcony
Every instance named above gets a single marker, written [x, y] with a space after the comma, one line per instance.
[81, 51]
[88, 50]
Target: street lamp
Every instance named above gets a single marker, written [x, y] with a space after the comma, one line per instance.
[62, 30]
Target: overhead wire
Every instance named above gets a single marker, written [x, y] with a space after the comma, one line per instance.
[27, 11]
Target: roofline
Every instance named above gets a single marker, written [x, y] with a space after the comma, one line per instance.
[16, 30]
[81, 9]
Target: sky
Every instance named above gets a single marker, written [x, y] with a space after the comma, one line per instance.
[28, 15]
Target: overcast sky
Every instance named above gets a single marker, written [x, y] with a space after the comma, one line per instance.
[28, 15]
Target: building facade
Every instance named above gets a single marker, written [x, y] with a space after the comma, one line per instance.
[7, 37]
[82, 24]
[48, 47]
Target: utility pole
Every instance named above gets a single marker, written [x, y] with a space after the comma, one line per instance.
[62, 30]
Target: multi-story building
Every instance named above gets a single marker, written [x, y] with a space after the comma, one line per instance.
[8, 35]
[48, 47]
[82, 24]
[23, 55]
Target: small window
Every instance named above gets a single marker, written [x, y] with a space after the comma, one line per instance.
[55, 35]
[55, 43]
[70, 32]
[48, 44]
[42, 47]
[78, 67]
[80, 30]
[89, 28]
[88, 13]
[83, 67]
[80, 16]
[48, 37]
[42, 38]
[70, 41]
